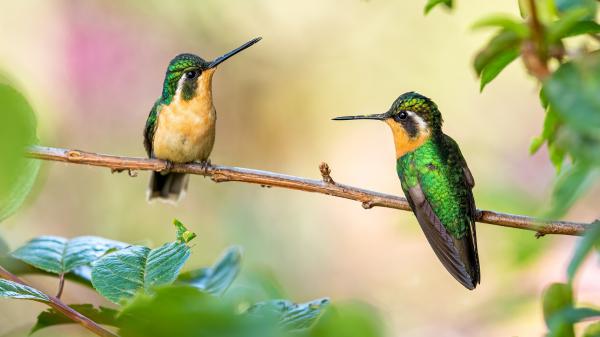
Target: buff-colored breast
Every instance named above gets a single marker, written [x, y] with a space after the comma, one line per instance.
[185, 130]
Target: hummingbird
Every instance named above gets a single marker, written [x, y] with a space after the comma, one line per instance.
[436, 181]
[181, 125]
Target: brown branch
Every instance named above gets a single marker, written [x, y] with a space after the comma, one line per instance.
[64, 309]
[533, 50]
[219, 174]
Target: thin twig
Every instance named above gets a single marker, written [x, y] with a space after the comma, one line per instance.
[368, 198]
[61, 285]
[64, 309]
[533, 53]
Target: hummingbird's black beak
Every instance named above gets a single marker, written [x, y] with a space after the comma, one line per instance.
[378, 117]
[222, 58]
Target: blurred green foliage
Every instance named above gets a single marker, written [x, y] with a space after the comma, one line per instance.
[141, 279]
[18, 130]
[569, 94]
[560, 312]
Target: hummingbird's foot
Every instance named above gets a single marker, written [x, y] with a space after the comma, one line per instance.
[168, 167]
[205, 165]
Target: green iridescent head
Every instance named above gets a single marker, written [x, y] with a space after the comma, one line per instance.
[422, 106]
[185, 71]
[413, 119]
[415, 112]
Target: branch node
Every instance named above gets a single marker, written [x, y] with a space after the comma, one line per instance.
[326, 173]
[131, 172]
[539, 235]
[73, 155]
[219, 178]
[368, 204]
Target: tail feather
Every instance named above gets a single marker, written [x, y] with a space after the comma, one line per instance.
[168, 187]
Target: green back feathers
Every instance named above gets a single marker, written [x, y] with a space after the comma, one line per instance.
[179, 65]
[421, 105]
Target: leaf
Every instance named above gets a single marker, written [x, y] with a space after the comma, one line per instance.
[349, 320]
[506, 21]
[566, 5]
[181, 311]
[551, 123]
[565, 25]
[12, 289]
[432, 3]
[51, 317]
[583, 27]
[500, 43]
[17, 174]
[218, 278]
[290, 316]
[587, 243]
[121, 274]
[570, 185]
[495, 66]
[59, 255]
[183, 234]
[593, 330]
[4, 248]
[572, 91]
[557, 298]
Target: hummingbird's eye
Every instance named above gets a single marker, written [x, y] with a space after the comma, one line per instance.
[401, 116]
[191, 74]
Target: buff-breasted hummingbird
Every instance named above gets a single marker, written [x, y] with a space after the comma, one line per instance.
[436, 181]
[181, 124]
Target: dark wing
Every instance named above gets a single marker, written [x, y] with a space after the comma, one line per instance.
[472, 209]
[455, 254]
[149, 129]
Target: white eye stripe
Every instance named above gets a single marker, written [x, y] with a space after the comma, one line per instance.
[420, 121]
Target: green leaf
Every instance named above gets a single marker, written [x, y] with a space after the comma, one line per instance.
[216, 279]
[120, 275]
[587, 243]
[17, 174]
[12, 289]
[506, 21]
[290, 316]
[495, 66]
[59, 255]
[551, 123]
[583, 27]
[500, 43]
[573, 89]
[349, 320]
[557, 298]
[593, 330]
[51, 317]
[561, 323]
[183, 234]
[432, 3]
[566, 5]
[565, 25]
[570, 185]
[181, 311]
[4, 248]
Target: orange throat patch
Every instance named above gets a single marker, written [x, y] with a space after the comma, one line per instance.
[402, 141]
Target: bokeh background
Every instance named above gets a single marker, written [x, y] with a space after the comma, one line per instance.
[93, 69]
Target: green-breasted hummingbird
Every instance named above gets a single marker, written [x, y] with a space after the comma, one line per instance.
[181, 124]
[436, 181]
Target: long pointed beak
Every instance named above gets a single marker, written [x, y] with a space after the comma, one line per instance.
[224, 57]
[378, 117]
